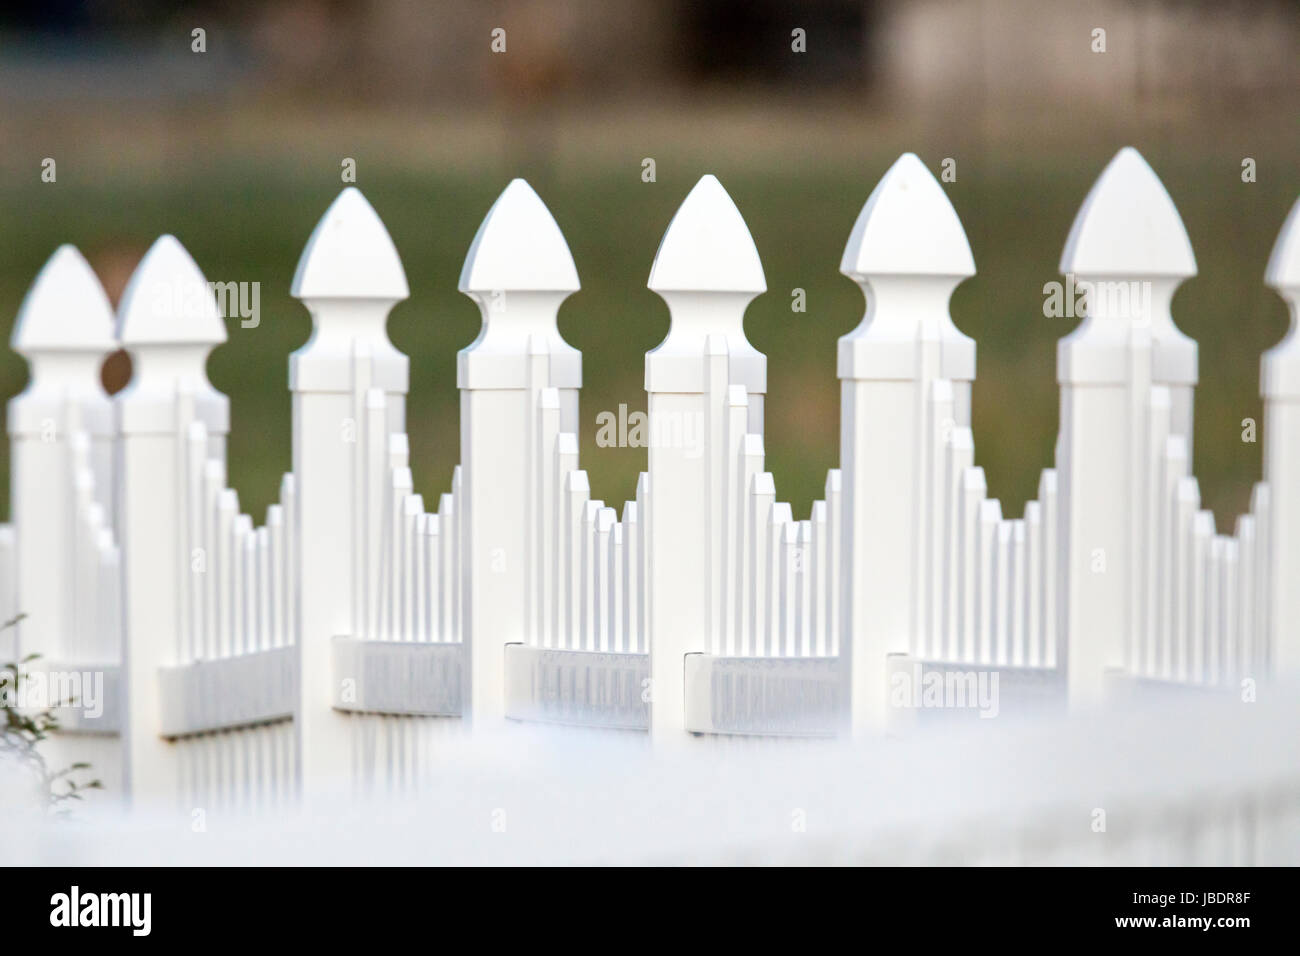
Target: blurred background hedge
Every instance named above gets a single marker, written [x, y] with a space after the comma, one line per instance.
[237, 151]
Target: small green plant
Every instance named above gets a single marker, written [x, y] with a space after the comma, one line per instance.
[24, 729]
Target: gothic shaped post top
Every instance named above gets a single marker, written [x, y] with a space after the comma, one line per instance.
[169, 302]
[1128, 251]
[350, 255]
[1281, 364]
[707, 269]
[66, 309]
[169, 321]
[1128, 226]
[64, 329]
[349, 276]
[908, 252]
[518, 270]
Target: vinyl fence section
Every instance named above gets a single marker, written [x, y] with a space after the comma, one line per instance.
[358, 624]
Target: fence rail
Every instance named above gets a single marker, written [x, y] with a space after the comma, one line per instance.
[704, 605]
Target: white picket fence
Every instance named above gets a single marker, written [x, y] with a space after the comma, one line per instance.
[345, 636]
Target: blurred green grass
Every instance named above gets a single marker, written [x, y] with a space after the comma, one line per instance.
[246, 219]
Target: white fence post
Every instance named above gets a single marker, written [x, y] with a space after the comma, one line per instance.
[1129, 252]
[64, 329]
[518, 270]
[908, 252]
[1280, 380]
[169, 323]
[708, 271]
[349, 277]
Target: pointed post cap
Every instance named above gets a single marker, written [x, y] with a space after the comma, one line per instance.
[66, 309]
[518, 269]
[908, 227]
[707, 247]
[519, 248]
[707, 269]
[350, 255]
[349, 276]
[1128, 226]
[1284, 264]
[907, 230]
[168, 301]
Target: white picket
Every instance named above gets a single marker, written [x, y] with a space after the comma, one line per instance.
[970, 554]
[632, 587]
[762, 504]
